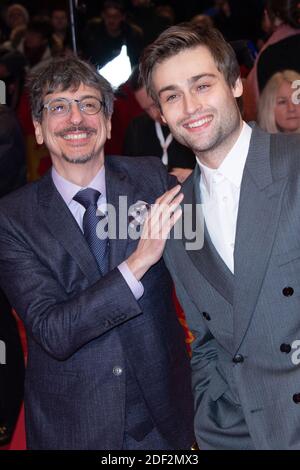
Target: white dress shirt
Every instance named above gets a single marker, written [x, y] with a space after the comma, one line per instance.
[68, 190]
[220, 194]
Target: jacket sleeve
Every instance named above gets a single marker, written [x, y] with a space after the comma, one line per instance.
[60, 322]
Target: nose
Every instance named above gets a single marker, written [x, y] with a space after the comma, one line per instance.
[191, 103]
[291, 106]
[75, 115]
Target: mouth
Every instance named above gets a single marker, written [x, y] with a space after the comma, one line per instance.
[82, 135]
[198, 124]
[76, 137]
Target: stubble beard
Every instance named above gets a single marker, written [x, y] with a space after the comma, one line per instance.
[214, 142]
[83, 158]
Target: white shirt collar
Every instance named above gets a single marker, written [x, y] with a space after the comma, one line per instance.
[68, 190]
[233, 164]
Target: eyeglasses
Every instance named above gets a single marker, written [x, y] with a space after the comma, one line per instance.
[62, 106]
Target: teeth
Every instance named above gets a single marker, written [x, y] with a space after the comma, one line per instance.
[75, 136]
[198, 123]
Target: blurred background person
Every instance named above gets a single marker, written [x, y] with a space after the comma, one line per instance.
[147, 135]
[281, 55]
[105, 36]
[17, 19]
[204, 21]
[279, 108]
[12, 73]
[167, 12]
[36, 42]
[61, 36]
[144, 14]
[278, 53]
[12, 176]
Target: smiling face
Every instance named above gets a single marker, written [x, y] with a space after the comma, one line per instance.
[75, 138]
[287, 113]
[197, 103]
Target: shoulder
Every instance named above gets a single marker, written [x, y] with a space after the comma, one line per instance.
[144, 167]
[144, 172]
[285, 154]
[20, 201]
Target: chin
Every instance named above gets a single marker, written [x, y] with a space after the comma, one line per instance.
[78, 160]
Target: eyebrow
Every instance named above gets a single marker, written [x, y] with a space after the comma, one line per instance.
[78, 99]
[81, 97]
[190, 81]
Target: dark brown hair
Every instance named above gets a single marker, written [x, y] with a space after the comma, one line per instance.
[65, 73]
[186, 36]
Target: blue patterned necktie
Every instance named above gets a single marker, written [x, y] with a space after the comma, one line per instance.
[95, 236]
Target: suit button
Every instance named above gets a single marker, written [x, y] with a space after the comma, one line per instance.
[206, 316]
[117, 370]
[285, 348]
[296, 398]
[288, 291]
[238, 359]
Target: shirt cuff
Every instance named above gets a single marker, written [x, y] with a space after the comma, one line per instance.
[134, 285]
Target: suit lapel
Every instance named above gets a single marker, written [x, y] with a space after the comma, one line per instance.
[117, 185]
[258, 216]
[206, 259]
[64, 227]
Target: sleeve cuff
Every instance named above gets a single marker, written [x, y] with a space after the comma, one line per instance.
[135, 286]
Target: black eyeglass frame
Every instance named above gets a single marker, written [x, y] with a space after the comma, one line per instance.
[69, 102]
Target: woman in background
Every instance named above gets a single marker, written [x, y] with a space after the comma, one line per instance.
[279, 104]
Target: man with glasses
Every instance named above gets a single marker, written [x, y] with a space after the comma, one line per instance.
[107, 365]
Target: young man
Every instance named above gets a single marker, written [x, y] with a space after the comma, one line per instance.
[240, 291]
[107, 365]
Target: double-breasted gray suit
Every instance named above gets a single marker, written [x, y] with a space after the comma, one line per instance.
[100, 363]
[246, 371]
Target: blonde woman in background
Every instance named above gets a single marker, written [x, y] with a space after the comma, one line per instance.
[278, 110]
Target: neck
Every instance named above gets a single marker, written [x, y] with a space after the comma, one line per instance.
[79, 174]
[213, 158]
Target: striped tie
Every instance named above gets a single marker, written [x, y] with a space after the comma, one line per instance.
[95, 234]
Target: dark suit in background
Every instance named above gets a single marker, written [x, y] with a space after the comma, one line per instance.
[278, 57]
[12, 175]
[141, 139]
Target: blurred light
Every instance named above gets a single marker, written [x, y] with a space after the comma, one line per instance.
[118, 70]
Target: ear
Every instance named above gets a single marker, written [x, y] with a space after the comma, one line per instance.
[108, 128]
[163, 118]
[38, 132]
[237, 90]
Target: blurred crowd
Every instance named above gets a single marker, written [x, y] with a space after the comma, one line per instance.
[263, 33]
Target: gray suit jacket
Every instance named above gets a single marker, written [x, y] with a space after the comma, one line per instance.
[246, 372]
[84, 331]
